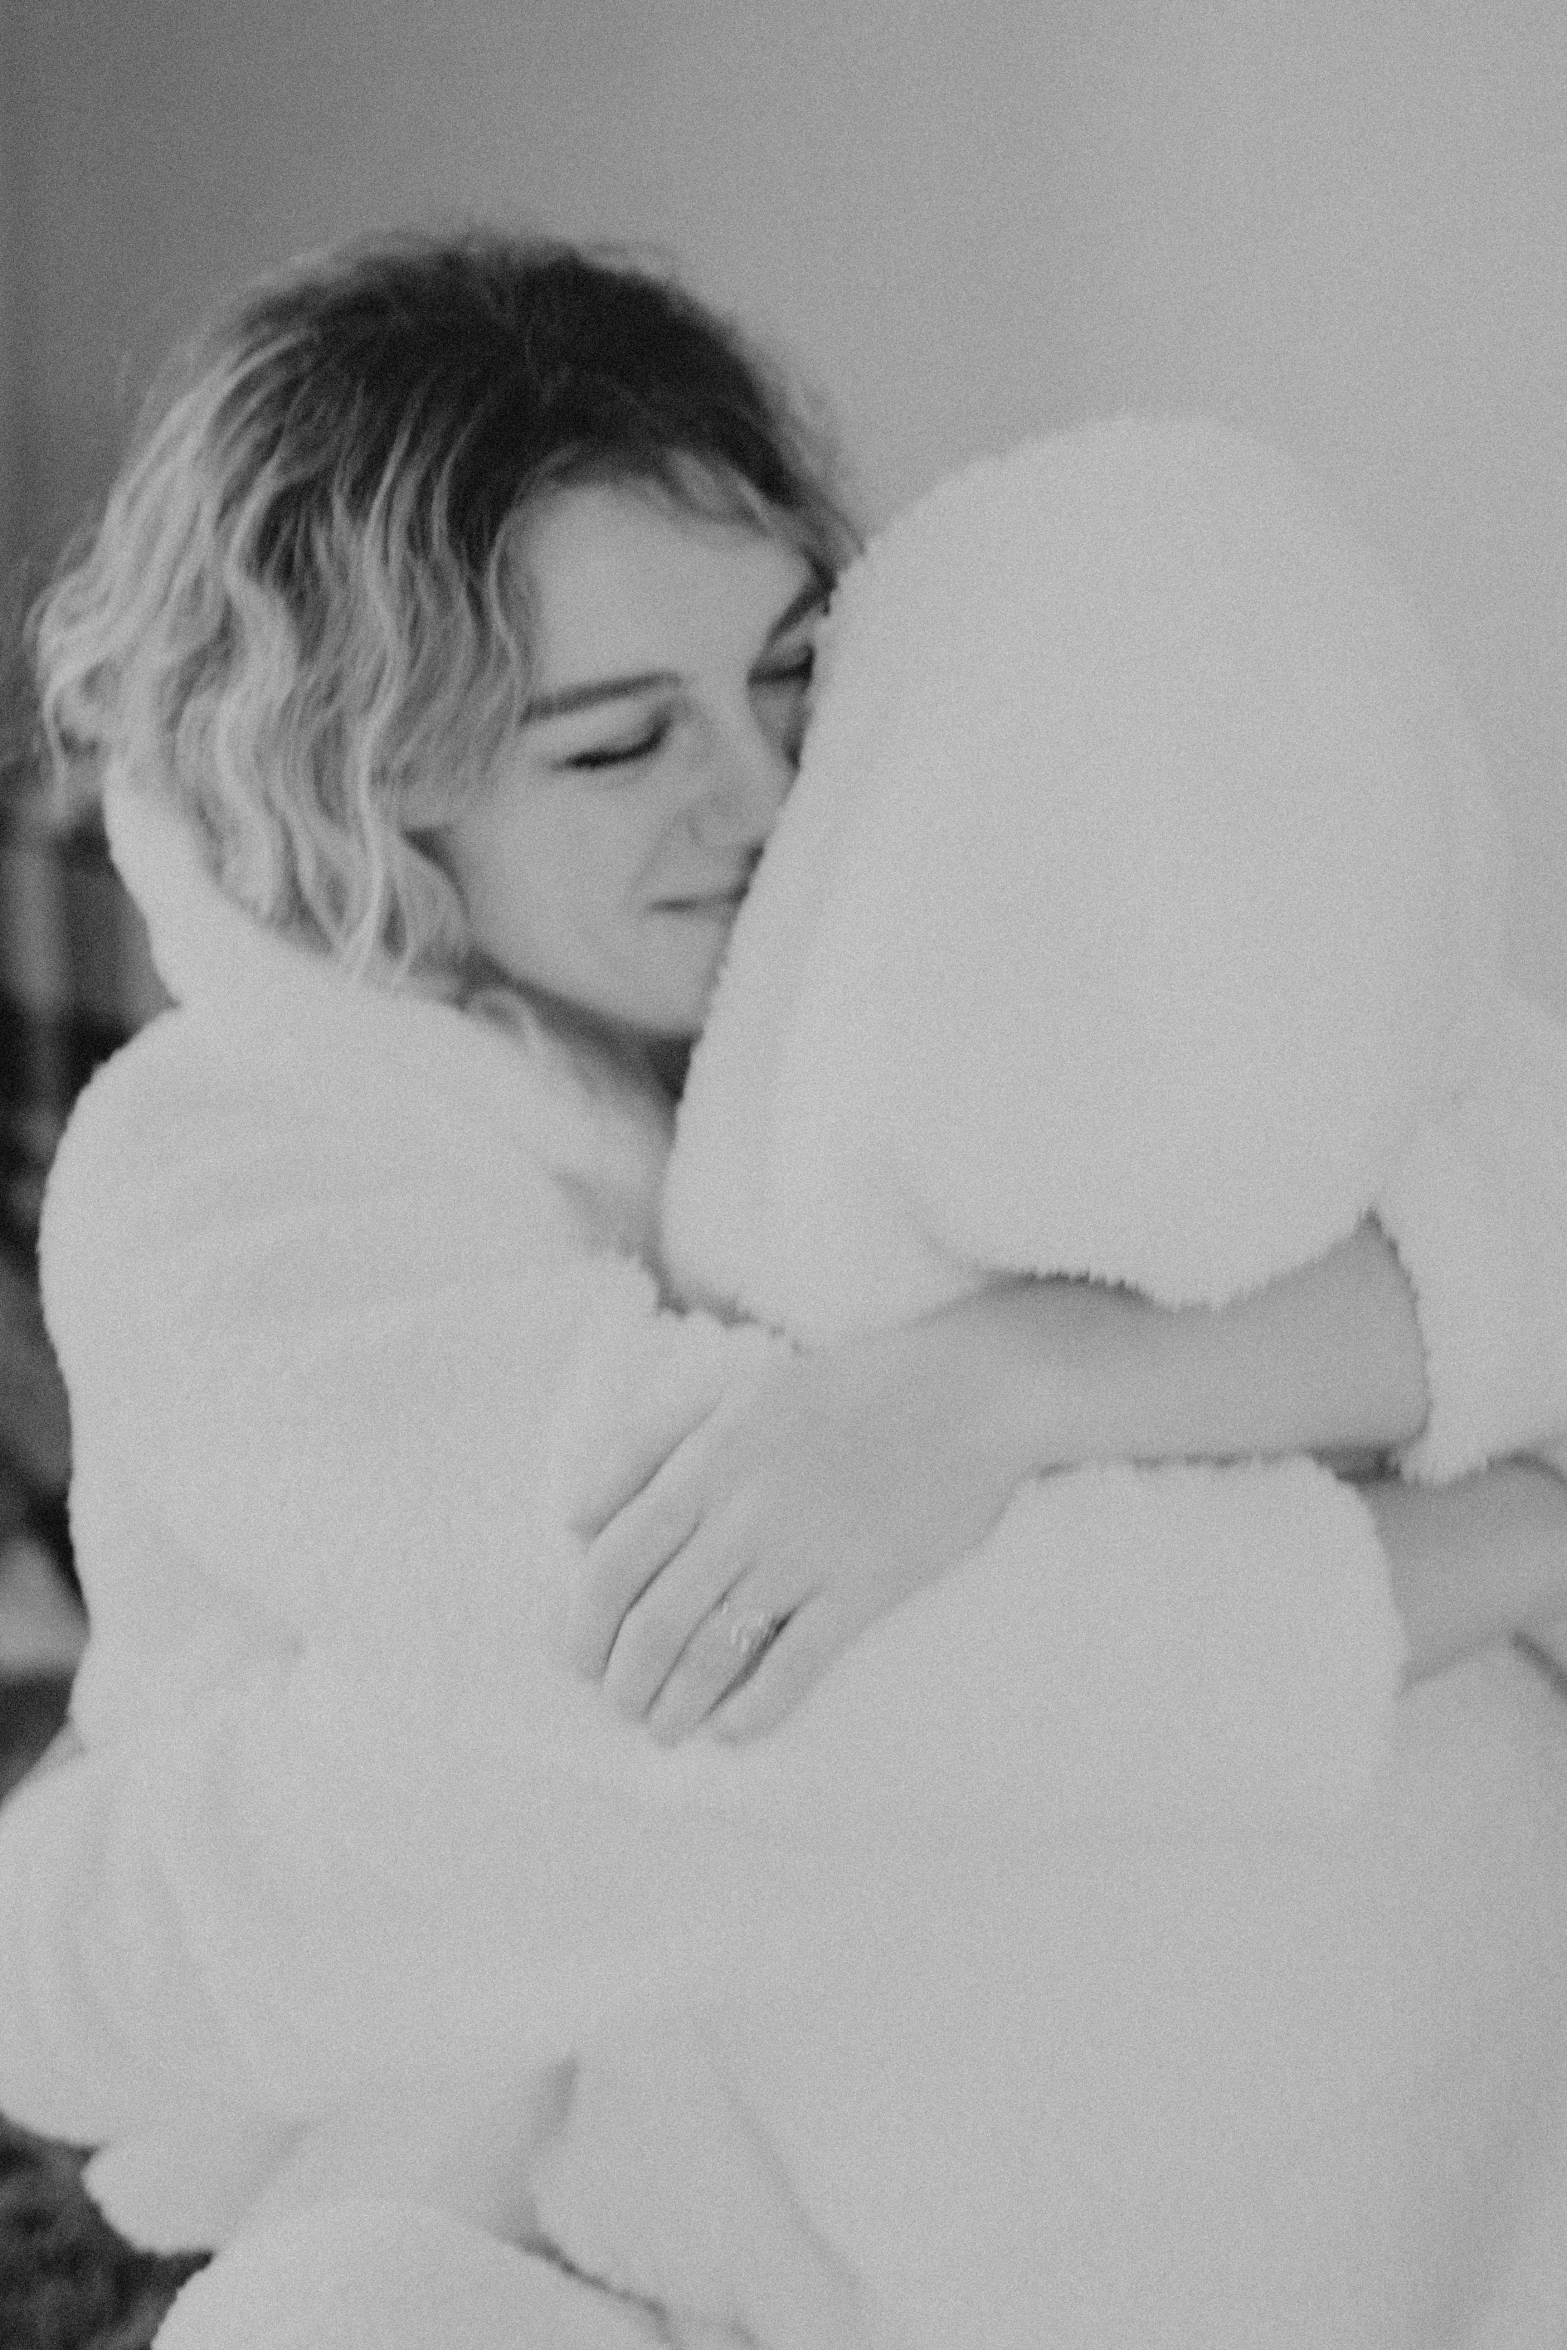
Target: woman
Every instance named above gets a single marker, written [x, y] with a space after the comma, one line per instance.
[444, 650]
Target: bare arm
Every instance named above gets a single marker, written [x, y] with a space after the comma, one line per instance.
[799, 1508]
[1326, 1360]
[1476, 1561]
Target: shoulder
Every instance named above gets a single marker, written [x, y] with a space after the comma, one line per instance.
[190, 1098]
[204, 1152]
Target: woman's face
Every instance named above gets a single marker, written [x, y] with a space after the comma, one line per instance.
[607, 858]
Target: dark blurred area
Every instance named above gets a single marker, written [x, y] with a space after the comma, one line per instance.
[75, 982]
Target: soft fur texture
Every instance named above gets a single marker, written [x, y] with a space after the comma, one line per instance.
[1134, 904]
[1134, 916]
[1098, 1949]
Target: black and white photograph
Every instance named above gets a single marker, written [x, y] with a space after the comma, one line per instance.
[783, 1175]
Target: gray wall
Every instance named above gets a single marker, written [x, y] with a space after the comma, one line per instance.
[1343, 222]
[10, 449]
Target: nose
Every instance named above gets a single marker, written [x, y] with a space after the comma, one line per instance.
[746, 781]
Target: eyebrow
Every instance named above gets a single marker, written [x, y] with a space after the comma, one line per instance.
[568, 698]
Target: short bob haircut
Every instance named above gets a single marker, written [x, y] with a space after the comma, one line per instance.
[303, 618]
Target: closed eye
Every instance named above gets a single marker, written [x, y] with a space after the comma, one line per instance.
[795, 672]
[619, 754]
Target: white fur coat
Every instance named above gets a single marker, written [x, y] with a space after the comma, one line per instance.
[345, 1846]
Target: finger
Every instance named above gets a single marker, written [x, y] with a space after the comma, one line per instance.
[654, 1632]
[728, 1646]
[784, 1675]
[638, 1452]
[631, 1553]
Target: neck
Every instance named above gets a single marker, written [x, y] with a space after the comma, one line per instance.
[669, 1057]
[663, 1058]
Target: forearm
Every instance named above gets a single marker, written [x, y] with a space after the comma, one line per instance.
[1326, 1360]
[1473, 1562]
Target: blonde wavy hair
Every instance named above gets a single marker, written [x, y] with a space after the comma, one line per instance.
[303, 618]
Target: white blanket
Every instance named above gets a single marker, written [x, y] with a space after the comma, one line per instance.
[1133, 917]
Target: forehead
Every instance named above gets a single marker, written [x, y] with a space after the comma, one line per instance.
[620, 581]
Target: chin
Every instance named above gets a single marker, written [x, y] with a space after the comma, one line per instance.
[662, 1017]
[668, 997]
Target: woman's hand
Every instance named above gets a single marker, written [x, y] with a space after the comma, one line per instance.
[741, 1552]
[735, 1559]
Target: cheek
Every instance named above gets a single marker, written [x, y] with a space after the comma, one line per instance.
[646, 838]
[565, 869]
[506, 869]
[553, 850]
[498, 883]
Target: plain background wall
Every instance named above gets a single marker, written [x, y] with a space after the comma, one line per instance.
[1341, 222]
[10, 453]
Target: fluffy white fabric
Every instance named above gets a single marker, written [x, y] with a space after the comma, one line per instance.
[1134, 903]
[348, 1863]
[1468, 1212]
[366, 2274]
[1134, 915]
[1214, 1643]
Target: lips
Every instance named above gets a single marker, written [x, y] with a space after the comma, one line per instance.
[726, 898]
[708, 900]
